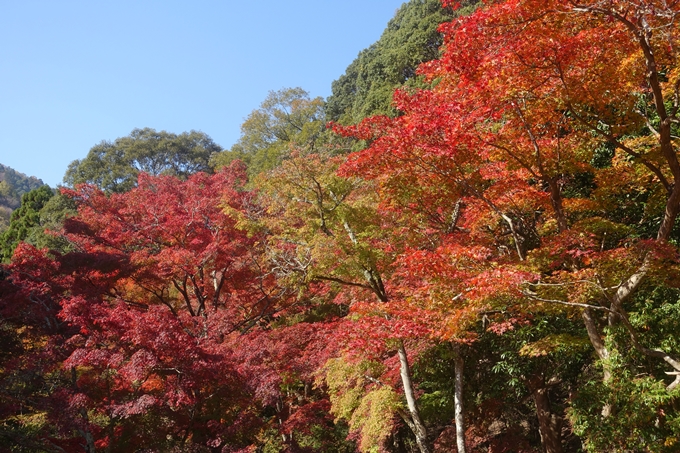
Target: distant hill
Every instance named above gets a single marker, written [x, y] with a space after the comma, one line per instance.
[12, 186]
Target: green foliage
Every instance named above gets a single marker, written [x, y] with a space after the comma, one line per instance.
[411, 37]
[657, 314]
[37, 222]
[346, 382]
[507, 364]
[286, 119]
[643, 412]
[12, 186]
[549, 345]
[18, 183]
[434, 372]
[52, 217]
[560, 344]
[24, 220]
[374, 418]
[318, 439]
[114, 166]
[643, 416]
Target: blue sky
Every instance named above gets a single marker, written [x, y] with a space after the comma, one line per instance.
[74, 73]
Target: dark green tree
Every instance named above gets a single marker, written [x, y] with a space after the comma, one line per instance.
[24, 220]
[52, 216]
[114, 166]
[12, 186]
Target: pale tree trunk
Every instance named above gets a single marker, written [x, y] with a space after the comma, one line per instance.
[412, 419]
[601, 350]
[89, 441]
[87, 435]
[415, 422]
[458, 401]
[596, 341]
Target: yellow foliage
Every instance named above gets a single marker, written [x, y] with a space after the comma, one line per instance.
[551, 344]
[346, 382]
[356, 396]
[374, 418]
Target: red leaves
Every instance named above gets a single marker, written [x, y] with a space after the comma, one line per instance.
[161, 278]
[138, 406]
[521, 88]
[167, 241]
[173, 312]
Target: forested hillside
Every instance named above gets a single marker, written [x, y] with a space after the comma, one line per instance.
[470, 246]
[12, 186]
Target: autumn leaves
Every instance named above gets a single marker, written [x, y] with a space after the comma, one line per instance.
[521, 211]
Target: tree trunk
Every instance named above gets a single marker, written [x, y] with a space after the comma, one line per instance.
[89, 441]
[85, 432]
[458, 402]
[596, 341]
[549, 424]
[412, 419]
[556, 201]
[417, 424]
[600, 349]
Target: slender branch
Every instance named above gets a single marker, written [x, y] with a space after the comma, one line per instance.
[533, 296]
[342, 282]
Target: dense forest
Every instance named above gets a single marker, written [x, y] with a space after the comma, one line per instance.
[470, 246]
[13, 185]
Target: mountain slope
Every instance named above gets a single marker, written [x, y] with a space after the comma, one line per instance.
[13, 185]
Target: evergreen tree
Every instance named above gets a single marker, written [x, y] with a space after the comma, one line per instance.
[24, 220]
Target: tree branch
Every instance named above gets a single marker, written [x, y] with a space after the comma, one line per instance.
[342, 282]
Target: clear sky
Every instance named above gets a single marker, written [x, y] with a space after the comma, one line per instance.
[74, 73]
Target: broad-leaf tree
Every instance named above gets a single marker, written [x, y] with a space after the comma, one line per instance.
[509, 145]
[326, 229]
[114, 166]
[160, 286]
[286, 118]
